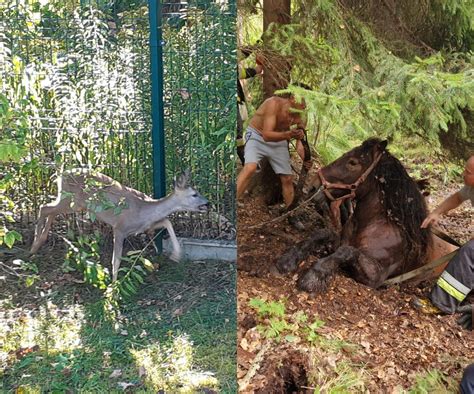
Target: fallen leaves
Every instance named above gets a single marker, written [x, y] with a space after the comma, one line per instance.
[24, 351]
[115, 374]
[253, 340]
[395, 342]
[178, 312]
[125, 385]
[141, 371]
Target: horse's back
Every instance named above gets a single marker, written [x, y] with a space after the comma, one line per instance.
[438, 249]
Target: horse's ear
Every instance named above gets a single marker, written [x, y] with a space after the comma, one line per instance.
[383, 144]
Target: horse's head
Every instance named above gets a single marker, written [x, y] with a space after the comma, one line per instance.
[343, 176]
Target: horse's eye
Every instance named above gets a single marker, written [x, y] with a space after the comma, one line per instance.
[353, 162]
[195, 195]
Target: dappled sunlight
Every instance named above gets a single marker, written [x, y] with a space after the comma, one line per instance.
[49, 328]
[170, 367]
[65, 347]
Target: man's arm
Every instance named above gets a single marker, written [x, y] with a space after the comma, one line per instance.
[269, 125]
[452, 202]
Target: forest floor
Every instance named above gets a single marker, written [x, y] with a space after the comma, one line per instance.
[351, 339]
[178, 333]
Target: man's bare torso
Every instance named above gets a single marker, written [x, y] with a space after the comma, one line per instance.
[278, 107]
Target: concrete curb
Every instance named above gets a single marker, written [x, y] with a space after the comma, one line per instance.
[204, 249]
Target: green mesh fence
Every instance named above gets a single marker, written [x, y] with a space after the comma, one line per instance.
[199, 61]
[77, 76]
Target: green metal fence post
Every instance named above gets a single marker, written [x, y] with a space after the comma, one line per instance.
[157, 112]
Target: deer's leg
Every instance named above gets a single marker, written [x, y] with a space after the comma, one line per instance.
[316, 279]
[46, 217]
[165, 223]
[176, 255]
[117, 254]
[151, 235]
[38, 230]
[288, 262]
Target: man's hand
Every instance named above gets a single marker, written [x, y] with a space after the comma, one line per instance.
[452, 202]
[466, 318]
[259, 69]
[432, 218]
[297, 134]
[308, 164]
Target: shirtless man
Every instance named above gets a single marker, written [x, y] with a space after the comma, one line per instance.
[267, 136]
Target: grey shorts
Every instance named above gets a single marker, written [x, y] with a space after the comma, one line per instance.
[256, 148]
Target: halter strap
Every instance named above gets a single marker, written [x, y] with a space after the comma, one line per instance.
[344, 186]
[336, 202]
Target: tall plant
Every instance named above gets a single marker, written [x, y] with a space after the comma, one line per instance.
[365, 81]
[200, 110]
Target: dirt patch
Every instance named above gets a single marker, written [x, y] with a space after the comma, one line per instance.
[50, 259]
[285, 375]
[395, 343]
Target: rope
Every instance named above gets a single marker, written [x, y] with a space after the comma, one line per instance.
[281, 217]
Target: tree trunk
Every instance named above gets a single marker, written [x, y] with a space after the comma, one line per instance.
[277, 68]
[276, 76]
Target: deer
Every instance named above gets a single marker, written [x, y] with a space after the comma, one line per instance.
[126, 210]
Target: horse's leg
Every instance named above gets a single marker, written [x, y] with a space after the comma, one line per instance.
[316, 278]
[288, 262]
[368, 271]
[361, 267]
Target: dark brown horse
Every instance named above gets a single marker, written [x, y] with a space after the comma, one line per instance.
[382, 237]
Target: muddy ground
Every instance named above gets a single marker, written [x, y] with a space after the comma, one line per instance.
[394, 342]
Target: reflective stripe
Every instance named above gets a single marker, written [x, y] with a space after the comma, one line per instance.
[450, 289]
[455, 283]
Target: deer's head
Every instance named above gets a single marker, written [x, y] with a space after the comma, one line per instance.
[189, 198]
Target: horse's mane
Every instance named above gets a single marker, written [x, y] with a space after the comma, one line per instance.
[404, 204]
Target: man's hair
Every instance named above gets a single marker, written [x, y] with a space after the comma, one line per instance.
[246, 52]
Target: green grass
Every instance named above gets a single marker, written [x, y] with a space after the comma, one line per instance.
[345, 378]
[434, 381]
[180, 328]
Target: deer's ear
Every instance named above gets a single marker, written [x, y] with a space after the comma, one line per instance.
[187, 175]
[182, 181]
